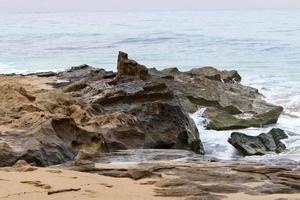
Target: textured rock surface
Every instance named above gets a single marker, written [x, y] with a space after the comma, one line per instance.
[214, 74]
[128, 67]
[228, 105]
[133, 108]
[259, 145]
[201, 179]
[55, 141]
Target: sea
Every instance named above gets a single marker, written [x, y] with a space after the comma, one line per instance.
[262, 45]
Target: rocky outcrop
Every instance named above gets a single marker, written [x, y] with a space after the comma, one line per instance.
[228, 105]
[259, 145]
[128, 67]
[136, 113]
[133, 108]
[95, 108]
[55, 141]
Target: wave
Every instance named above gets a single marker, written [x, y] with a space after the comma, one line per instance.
[114, 44]
[271, 49]
[76, 48]
[9, 69]
[144, 40]
[284, 31]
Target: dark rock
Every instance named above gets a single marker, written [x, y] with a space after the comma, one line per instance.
[82, 73]
[46, 74]
[258, 145]
[152, 125]
[247, 145]
[272, 140]
[168, 126]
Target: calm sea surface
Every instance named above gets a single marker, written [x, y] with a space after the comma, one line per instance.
[264, 46]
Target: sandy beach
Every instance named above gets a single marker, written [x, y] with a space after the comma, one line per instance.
[33, 183]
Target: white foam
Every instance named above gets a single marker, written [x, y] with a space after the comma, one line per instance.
[8, 69]
[216, 144]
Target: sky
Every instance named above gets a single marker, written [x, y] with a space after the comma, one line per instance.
[133, 5]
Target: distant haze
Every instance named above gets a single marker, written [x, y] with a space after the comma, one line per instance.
[133, 5]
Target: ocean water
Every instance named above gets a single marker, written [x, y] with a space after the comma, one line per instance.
[263, 45]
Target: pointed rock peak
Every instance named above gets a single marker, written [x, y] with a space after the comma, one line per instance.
[128, 67]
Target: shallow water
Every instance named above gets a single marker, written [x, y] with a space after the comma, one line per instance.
[264, 46]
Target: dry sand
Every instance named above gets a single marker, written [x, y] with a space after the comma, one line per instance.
[30, 83]
[34, 185]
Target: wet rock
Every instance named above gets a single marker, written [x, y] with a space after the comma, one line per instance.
[247, 145]
[46, 74]
[272, 140]
[259, 145]
[128, 67]
[230, 117]
[146, 155]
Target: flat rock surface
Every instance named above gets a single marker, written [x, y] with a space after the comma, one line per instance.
[166, 178]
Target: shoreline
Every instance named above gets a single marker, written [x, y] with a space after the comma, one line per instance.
[149, 180]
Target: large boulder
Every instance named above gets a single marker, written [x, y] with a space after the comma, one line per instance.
[229, 105]
[139, 114]
[134, 110]
[152, 125]
[259, 145]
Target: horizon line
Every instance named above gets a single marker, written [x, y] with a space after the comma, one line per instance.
[148, 10]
